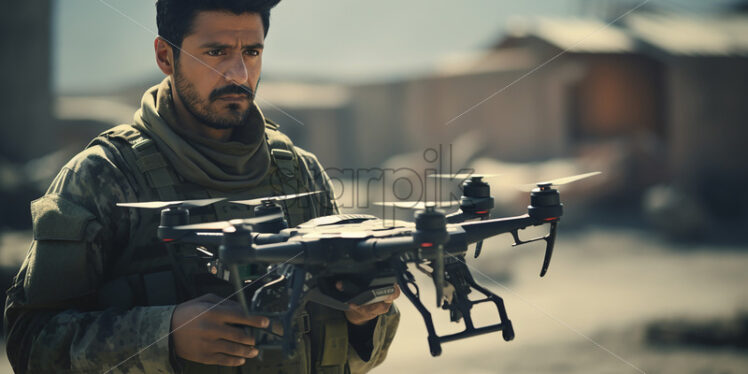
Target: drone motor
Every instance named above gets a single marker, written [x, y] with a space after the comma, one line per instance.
[431, 234]
[545, 203]
[267, 208]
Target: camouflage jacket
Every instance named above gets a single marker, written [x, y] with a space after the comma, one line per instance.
[53, 319]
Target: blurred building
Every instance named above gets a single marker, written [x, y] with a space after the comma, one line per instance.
[662, 93]
[313, 115]
[706, 85]
[552, 84]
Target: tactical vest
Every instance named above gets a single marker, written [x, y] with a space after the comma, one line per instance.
[147, 272]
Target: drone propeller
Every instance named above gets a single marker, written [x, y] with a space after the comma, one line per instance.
[171, 204]
[463, 176]
[558, 181]
[260, 200]
[220, 225]
[417, 204]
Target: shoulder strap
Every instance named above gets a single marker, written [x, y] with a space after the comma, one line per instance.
[292, 170]
[282, 150]
[143, 154]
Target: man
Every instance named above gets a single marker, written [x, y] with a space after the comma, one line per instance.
[98, 293]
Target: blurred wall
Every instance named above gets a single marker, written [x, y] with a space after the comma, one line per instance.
[321, 131]
[668, 114]
[618, 95]
[709, 126]
[421, 113]
[378, 123]
[709, 130]
[25, 66]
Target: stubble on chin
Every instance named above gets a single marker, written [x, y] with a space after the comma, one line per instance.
[211, 113]
[225, 116]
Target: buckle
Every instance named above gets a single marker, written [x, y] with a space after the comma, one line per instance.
[305, 323]
[281, 154]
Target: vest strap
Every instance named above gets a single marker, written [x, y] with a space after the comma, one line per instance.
[153, 165]
[285, 161]
[335, 351]
[149, 161]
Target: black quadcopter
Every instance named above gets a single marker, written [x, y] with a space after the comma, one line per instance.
[367, 254]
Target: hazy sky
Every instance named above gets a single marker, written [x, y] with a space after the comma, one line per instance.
[96, 46]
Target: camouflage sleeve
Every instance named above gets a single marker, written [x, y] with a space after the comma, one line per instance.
[51, 318]
[320, 181]
[384, 333]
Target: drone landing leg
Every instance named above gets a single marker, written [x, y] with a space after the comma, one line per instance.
[434, 342]
[240, 288]
[298, 277]
[295, 278]
[507, 331]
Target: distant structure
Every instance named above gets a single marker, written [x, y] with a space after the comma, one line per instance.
[680, 79]
[25, 77]
[668, 91]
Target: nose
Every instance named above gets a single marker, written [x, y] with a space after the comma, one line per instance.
[236, 72]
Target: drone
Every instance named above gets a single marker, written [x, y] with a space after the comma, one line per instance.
[304, 264]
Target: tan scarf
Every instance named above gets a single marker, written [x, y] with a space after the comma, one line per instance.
[239, 163]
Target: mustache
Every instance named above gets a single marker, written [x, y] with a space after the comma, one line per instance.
[232, 90]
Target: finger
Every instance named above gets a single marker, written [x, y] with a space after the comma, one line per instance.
[356, 318]
[354, 307]
[234, 314]
[210, 298]
[396, 294]
[234, 334]
[375, 309]
[225, 360]
[234, 349]
[230, 303]
[215, 300]
[382, 308]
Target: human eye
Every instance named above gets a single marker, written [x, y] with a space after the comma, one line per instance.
[214, 52]
[252, 52]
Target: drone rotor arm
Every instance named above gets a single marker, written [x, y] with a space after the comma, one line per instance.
[480, 230]
[550, 241]
[269, 238]
[462, 216]
[383, 248]
[275, 253]
[200, 238]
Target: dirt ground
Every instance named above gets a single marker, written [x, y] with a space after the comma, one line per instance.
[588, 314]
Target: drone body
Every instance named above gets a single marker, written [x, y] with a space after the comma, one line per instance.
[365, 254]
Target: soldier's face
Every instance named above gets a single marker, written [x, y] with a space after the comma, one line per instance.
[218, 69]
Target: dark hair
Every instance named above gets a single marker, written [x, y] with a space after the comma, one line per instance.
[174, 17]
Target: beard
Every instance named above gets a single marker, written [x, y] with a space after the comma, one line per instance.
[200, 108]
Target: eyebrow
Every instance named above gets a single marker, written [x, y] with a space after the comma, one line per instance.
[216, 45]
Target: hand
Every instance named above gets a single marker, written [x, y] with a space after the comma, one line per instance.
[361, 314]
[205, 332]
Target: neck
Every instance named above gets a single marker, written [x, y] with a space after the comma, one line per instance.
[190, 123]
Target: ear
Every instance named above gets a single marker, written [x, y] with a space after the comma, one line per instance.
[164, 55]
